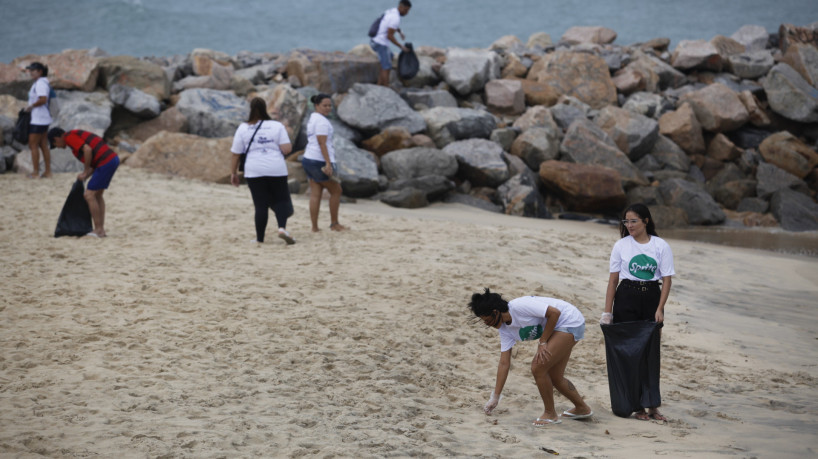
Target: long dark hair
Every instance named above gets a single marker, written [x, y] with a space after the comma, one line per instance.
[258, 110]
[644, 215]
[484, 304]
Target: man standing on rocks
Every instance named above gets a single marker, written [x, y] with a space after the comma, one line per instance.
[390, 23]
[99, 159]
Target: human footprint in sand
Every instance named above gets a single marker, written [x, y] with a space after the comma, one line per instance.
[556, 326]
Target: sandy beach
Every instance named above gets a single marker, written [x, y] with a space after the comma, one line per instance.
[176, 336]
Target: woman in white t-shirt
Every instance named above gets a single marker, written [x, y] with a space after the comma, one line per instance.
[640, 259]
[556, 326]
[40, 119]
[266, 143]
[319, 162]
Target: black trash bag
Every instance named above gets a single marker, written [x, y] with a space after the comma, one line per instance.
[632, 353]
[408, 64]
[20, 131]
[75, 218]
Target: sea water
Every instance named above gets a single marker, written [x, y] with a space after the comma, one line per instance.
[172, 27]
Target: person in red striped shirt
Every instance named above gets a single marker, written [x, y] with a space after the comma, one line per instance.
[100, 163]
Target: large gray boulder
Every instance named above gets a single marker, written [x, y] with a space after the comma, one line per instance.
[634, 134]
[468, 70]
[480, 161]
[790, 95]
[135, 101]
[669, 155]
[587, 143]
[447, 124]
[407, 198]
[421, 99]
[418, 162]
[434, 187]
[520, 196]
[794, 211]
[772, 178]
[427, 75]
[751, 65]
[537, 145]
[690, 54]
[691, 197]
[212, 113]
[372, 108]
[753, 37]
[357, 169]
[89, 111]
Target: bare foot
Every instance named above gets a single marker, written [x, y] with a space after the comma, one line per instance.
[642, 416]
[337, 227]
[46, 175]
[315, 229]
[656, 415]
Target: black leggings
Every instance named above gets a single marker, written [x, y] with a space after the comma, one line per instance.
[270, 193]
[634, 302]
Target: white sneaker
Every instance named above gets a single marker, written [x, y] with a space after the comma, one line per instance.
[284, 234]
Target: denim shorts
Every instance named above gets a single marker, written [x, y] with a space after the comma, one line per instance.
[313, 170]
[384, 54]
[578, 332]
[102, 175]
[37, 128]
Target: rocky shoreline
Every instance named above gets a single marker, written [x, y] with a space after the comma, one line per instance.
[711, 132]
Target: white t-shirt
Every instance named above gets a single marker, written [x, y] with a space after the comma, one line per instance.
[642, 262]
[264, 159]
[40, 116]
[319, 125]
[528, 319]
[391, 20]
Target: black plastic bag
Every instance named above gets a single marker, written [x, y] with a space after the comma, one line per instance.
[75, 218]
[20, 131]
[632, 353]
[408, 64]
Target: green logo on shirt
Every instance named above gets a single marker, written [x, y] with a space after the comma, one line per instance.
[532, 332]
[642, 267]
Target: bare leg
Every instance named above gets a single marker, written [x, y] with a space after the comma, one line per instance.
[34, 146]
[315, 203]
[335, 190]
[560, 345]
[46, 155]
[96, 204]
[566, 387]
[383, 77]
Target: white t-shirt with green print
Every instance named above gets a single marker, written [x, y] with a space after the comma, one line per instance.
[528, 319]
[642, 262]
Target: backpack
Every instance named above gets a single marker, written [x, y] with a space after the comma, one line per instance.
[52, 105]
[373, 29]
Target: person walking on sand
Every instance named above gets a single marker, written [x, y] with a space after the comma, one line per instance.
[266, 143]
[556, 326]
[640, 259]
[100, 163]
[319, 162]
[390, 23]
[38, 98]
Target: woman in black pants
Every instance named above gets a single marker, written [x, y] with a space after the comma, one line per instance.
[640, 259]
[266, 143]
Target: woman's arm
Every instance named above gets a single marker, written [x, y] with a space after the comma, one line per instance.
[610, 293]
[660, 311]
[502, 374]
[322, 143]
[286, 148]
[42, 100]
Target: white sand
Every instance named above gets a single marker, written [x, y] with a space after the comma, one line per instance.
[178, 337]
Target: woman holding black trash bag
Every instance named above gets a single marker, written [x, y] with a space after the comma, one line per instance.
[264, 143]
[640, 259]
[40, 119]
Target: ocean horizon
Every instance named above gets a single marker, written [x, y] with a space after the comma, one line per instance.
[166, 28]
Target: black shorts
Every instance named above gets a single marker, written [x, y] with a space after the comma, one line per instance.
[37, 128]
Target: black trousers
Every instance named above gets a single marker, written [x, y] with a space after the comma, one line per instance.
[636, 301]
[270, 193]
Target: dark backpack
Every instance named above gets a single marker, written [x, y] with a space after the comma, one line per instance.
[373, 29]
[20, 132]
